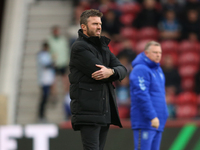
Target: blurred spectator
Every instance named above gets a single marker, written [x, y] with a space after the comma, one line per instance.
[197, 82]
[120, 2]
[128, 50]
[149, 15]
[141, 1]
[175, 5]
[193, 37]
[75, 3]
[104, 5]
[172, 77]
[111, 24]
[85, 4]
[46, 78]
[169, 26]
[126, 55]
[75, 26]
[122, 56]
[192, 4]
[72, 32]
[191, 24]
[170, 105]
[59, 48]
[77, 12]
[123, 97]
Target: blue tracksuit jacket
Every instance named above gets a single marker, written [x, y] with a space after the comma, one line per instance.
[147, 88]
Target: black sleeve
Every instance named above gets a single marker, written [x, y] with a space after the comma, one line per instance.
[120, 70]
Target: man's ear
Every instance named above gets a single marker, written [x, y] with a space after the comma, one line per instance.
[146, 52]
[83, 27]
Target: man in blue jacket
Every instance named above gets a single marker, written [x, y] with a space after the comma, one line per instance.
[148, 105]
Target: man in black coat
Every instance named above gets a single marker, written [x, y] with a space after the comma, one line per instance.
[93, 68]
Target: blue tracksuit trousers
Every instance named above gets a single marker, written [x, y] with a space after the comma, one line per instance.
[147, 139]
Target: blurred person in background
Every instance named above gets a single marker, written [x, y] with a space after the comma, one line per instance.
[169, 27]
[126, 55]
[172, 76]
[175, 5]
[191, 24]
[46, 78]
[60, 51]
[192, 4]
[172, 84]
[149, 15]
[121, 2]
[197, 82]
[80, 6]
[193, 37]
[124, 59]
[104, 5]
[148, 105]
[123, 97]
[111, 24]
[93, 68]
[141, 1]
[72, 30]
[171, 107]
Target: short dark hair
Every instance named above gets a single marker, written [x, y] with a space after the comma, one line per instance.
[55, 27]
[45, 44]
[89, 13]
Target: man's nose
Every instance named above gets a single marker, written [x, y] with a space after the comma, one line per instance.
[99, 26]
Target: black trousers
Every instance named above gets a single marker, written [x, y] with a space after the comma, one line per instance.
[43, 100]
[94, 136]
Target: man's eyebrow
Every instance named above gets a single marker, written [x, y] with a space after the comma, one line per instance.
[97, 23]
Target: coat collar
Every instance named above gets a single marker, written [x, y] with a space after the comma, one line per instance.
[143, 59]
[94, 39]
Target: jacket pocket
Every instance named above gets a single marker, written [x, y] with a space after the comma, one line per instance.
[90, 98]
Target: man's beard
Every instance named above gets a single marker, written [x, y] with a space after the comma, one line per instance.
[91, 33]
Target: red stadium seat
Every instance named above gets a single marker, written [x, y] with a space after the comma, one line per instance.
[113, 5]
[117, 47]
[130, 8]
[109, 6]
[129, 33]
[169, 46]
[188, 46]
[198, 100]
[127, 19]
[188, 70]
[140, 46]
[124, 112]
[189, 58]
[148, 33]
[186, 111]
[187, 84]
[187, 98]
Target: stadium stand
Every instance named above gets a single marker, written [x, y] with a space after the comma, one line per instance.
[185, 52]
